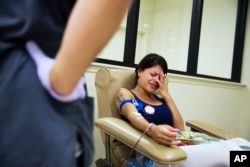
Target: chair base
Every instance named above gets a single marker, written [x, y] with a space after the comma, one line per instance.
[103, 163]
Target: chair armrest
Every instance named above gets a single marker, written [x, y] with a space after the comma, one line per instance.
[209, 129]
[127, 134]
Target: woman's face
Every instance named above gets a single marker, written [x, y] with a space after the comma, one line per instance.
[149, 78]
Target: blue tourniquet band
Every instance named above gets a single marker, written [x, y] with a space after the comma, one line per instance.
[124, 102]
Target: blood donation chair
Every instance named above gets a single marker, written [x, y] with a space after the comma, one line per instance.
[120, 137]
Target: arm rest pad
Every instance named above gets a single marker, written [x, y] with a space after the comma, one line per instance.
[209, 129]
[127, 134]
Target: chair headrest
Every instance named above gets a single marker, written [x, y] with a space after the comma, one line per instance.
[107, 83]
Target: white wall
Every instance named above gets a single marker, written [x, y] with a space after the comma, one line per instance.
[244, 124]
[226, 105]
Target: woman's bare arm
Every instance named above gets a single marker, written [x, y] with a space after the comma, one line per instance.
[91, 25]
[163, 134]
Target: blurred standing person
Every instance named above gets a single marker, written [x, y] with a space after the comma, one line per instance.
[46, 116]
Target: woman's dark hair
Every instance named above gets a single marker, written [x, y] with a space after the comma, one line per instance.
[149, 61]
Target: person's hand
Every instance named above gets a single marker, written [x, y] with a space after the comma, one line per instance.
[44, 65]
[164, 134]
[163, 85]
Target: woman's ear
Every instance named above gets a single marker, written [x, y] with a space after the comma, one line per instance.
[139, 71]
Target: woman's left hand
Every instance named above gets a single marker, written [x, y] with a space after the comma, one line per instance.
[163, 85]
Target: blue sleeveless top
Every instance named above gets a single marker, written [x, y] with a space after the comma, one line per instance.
[157, 114]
